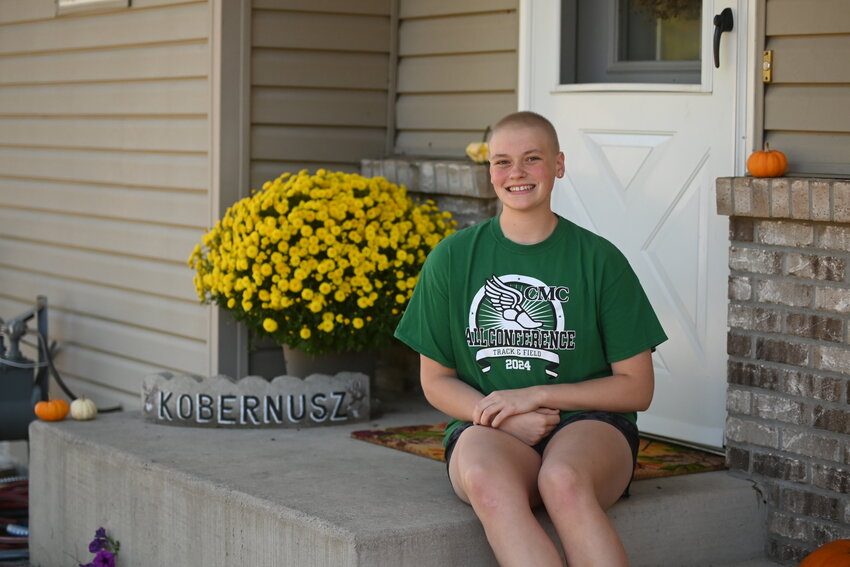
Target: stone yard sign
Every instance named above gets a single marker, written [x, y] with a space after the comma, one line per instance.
[286, 401]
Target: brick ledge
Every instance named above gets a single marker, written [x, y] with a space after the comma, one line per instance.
[460, 178]
[813, 198]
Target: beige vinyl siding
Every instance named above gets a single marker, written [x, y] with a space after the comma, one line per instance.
[805, 107]
[457, 73]
[320, 72]
[104, 185]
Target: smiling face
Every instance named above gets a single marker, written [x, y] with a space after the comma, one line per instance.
[524, 163]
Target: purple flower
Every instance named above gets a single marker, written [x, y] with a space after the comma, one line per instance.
[104, 559]
[96, 545]
[105, 549]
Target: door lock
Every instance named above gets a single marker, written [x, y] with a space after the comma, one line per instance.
[767, 66]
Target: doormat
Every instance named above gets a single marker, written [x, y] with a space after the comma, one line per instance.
[655, 458]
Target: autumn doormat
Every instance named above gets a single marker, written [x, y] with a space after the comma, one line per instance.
[655, 458]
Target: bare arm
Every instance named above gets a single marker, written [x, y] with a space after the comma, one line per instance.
[452, 396]
[629, 388]
[445, 391]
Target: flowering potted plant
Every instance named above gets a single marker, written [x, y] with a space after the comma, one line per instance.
[322, 262]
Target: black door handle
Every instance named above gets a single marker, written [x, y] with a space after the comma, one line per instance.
[723, 22]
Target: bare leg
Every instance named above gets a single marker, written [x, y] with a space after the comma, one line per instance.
[586, 467]
[497, 474]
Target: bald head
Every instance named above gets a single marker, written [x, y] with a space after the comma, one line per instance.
[528, 119]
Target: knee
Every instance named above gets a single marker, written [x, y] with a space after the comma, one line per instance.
[564, 487]
[487, 492]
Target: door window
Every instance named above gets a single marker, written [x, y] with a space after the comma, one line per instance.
[631, 41]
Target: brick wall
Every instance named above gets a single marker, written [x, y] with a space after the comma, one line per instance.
[788, 425]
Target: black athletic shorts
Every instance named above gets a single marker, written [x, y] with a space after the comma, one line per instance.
[626, 427]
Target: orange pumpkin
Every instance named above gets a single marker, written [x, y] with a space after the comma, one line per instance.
[833, 554]
[54, 410]
[767, 163]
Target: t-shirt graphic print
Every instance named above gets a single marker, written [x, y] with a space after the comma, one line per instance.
[516, 319]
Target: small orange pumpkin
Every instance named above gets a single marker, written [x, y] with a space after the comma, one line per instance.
[833, 554]
[767, 163]
[53, 410]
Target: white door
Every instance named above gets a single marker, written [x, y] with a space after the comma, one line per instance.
[641, 160]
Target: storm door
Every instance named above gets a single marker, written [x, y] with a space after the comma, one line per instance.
[647, 121]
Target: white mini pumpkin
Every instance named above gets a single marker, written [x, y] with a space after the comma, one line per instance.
[83, 409]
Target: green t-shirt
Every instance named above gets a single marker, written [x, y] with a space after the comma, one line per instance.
[507, 315]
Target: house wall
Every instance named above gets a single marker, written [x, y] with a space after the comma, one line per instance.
[322, 78]
[457, 73]
[334, 82]
[330, 78]
[788, 425]
[789, 289]
[104, 185]
[320, 84]
[805, 106]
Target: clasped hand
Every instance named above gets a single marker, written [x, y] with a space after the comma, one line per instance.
[518, 413]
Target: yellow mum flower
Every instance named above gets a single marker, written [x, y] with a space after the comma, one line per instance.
[305, 239]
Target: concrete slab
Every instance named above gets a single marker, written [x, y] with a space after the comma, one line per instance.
[317, 497]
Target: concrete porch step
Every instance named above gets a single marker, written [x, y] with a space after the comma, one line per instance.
[316, 497]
